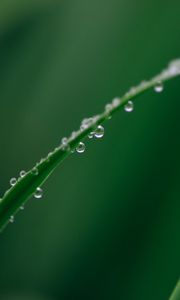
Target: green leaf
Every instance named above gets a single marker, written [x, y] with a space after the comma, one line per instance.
[26, 186]
[176, 293]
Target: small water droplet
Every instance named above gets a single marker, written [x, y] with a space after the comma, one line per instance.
[83, 127]
[13, 181]
[11, 219]
[129, 106]
[35, 171]
[22, 207]
[108, 109]
[159, 87]
[99, 133]
[81, 147]
[91, 135]
[38, 193]
[49, 155]
[116, 102]
[73, 134]
[22, 173]
[65, 145]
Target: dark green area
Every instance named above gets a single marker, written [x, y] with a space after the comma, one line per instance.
[108, 224]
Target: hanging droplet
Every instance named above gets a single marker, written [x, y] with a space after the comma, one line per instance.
[129, 106]
[22, 173]
[11, 219]
[91, 135]
[35, 171]
[159, 87]
[13, 181]
[81, 147]
[38, 193]
[99, 132]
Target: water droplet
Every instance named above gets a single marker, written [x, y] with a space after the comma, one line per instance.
[22, 207]
[81, 147]
[65, 145]
[73, 134]
[35, 171]
[22, 173]
[13, 181]
[91, 135]
[116, 102]
[99, 132]
[174, 67]
[11, 219]
[129, 106]
[38, 193]
[159, 87]
[42, 160]
[83, 127]
[108, 108]
[49, 155]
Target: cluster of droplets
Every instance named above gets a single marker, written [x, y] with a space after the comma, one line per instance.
[98, 131]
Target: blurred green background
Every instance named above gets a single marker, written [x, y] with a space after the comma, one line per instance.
[109, 222]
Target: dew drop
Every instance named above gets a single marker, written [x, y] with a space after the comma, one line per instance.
[108, 109]
[81, 147]
[129, 106]
[38, 193]
[116, 102]
[35, 171]
[13, 181]
[91, 135]
[73, 134]
[65, 145]
[22, 207]
[99, 132]
[22, 173]
[159, 87]
[11, 219]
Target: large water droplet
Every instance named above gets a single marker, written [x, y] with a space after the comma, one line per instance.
[99, 132]
[129, 106]
[81, 147]
[13, 181]
[22, 173]
[159, 87]
[11, 219]
[38, 193]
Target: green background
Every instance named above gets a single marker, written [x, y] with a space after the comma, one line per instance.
[108, 226]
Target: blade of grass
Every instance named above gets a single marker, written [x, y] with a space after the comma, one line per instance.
[25, 187]
[176, 293]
